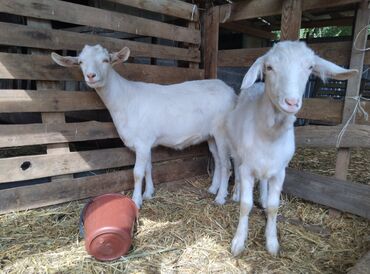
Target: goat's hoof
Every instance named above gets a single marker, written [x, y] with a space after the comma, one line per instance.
[272, 247]
[148, 195]
[213, 189]
[237, 247]
[220, 200]
[138, 202]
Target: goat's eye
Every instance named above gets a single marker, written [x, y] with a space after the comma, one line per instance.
[310, 68]
[80, 62]
[269, 68]
[105, 61]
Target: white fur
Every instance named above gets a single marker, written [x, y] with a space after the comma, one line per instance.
[147, 115]
[260, 129]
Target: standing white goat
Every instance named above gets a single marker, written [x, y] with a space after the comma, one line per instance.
[147, 115]
[260, 129]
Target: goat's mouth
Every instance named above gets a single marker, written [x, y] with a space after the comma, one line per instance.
[93, 83]
[289, 109]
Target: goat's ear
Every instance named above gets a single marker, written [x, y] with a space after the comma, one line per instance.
[325, 69]
[120, 56]
[65, 61]
[255, 71]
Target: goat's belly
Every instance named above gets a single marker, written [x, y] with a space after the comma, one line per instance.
[181, 142]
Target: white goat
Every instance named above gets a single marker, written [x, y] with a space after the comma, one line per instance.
[260, 129]
[147, 115]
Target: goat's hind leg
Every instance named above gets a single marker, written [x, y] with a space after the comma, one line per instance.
[224, 170]
[263, 193]
[149, 186]
[142, 158]
[236, 192]
[217, 171]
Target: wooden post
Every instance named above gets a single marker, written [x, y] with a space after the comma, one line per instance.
[211, 32]
[54, 117]
[291, 16]
[353, 86]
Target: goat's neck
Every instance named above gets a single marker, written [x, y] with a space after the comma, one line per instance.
[271, 120]
[116, 87]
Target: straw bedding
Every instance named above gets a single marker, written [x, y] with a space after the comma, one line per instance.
[182, 230]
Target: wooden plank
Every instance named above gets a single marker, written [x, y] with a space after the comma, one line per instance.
[34, 196]
[252, 31]
[261, 8]
[175, 8]
[41, 134]
[239, 57]
[355, 136]
[336, 52]
[321, 109]
[345, 196]
[353, 85]
[14, 169]
[32, 67]
[84, 15]
[211, 35]
[291, 16]
[17, 100]
[344, 21]
[21, 35]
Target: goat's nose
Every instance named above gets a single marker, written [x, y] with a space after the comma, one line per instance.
[291, 101]
[90, 75]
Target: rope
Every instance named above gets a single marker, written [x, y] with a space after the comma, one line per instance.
[358, 34]
[192, 13]
[358, 108]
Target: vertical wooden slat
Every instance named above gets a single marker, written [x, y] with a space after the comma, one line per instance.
[291, 19]
[193, 25]
[50, 118]
[353, 86]
[211, 33]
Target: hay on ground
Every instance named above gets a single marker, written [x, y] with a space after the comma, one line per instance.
[182, 230]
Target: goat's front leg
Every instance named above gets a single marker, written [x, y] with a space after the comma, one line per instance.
[273, 200]
[217, 172]
[246, 204]
[149, 186]
[142, 158]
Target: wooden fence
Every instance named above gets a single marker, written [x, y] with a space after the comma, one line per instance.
[50, 149]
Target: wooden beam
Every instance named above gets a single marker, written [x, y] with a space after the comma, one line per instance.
[39, 166]
[291, 19]
[252, 31]
[41, 134]
[32, 67]
[328, 191]
[38, 195]
[344, 21]
[261, 8]
[211, 34]
[21, 35]
[353, 86]
[175, 8]
[355, 136]
[336, 52]
[85, 15]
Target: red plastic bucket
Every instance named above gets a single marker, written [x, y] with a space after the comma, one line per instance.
[109, 222]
